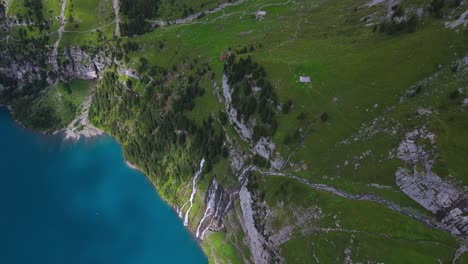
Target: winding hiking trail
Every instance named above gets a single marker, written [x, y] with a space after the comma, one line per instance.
[89, 30]
[60, 30]
[299, 146]
[189, 19]
[115, 3]
[294, 36]
[277, 4]
[360, 197]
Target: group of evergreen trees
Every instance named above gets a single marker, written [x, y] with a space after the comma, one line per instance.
[33, 50]
[436, 7]
[243, 75]
[160, 135]
[136, 12]
[409, 24]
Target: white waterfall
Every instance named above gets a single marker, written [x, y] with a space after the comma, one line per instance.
[209, 207]
[194, 190]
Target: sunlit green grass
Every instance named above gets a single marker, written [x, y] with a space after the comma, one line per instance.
[378, 232]
[218, 248]
[357, 74]
[89, 17]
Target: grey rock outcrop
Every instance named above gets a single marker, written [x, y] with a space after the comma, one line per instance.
[444, 198]
[218, 202]
[83, 66]
[77, 64]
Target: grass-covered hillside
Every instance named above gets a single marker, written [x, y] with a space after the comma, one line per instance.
[329, 131]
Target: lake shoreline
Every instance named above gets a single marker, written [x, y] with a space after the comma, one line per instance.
[62, 134]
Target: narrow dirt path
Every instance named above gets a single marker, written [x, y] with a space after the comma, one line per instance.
[60, 30]
[299, 146]
[278, 4]
[189, 19]
[382, 235]
[89, 30]
[115, 3]
[294, 36]
[361, 197]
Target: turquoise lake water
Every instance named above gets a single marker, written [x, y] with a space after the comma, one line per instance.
[63, 202]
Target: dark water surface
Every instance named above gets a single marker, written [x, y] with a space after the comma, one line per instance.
[63, 202]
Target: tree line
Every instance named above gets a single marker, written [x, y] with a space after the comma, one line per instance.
[245, 76]
[154, 128]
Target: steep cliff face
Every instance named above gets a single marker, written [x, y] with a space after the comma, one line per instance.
[277, 166]
[251, 211]
[25, 71]
[36, 79]
[81, 65]
[444, 198]
[27, 60]
[75, 64]
[217, 202]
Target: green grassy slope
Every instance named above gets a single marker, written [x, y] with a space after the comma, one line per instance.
[88, 21]
[353, 69]
[352, 116]
[358, 75]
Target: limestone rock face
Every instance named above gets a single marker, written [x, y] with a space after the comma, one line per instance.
[218, 202]
[25, 71]
[74, 64]
[82, 66]
[442, 197]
